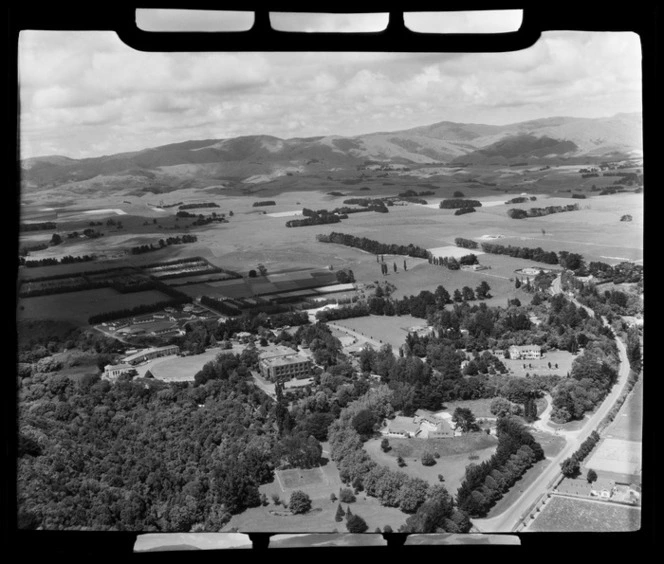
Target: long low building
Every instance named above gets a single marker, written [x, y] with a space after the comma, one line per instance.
[149, 354]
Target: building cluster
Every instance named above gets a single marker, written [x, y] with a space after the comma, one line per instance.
[603, 488]
[113, 371]
[423, 425]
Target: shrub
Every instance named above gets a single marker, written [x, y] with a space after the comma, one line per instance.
[346, 495]
[428, 459]
[401, 462]
[275, 499]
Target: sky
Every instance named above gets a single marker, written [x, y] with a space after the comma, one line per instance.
[86, 94]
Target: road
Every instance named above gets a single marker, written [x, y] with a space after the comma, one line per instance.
[510, 519]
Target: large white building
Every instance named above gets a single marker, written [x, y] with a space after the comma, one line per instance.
[525, 352]
[113, 371]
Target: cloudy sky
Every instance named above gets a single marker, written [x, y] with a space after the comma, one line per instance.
[86, 94]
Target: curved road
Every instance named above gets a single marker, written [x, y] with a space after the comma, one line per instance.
[510, 519]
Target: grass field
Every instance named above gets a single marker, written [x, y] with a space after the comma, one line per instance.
[387, 329]
[77, 307]
[563, 514]
[454, 453]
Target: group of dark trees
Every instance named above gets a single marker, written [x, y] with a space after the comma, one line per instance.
[485, 483]
[517, 213]
[69, 259]
[464, 210]
[198, 205]
[372, 246]
[41, 226]
[264, 203]
[466, 243]
[453, 263]
[320, 217]
[140, 249]
[593, 374]
[142, 455]
[455, 203]
[521, 199]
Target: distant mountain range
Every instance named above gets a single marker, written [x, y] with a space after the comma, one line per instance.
[258, 158]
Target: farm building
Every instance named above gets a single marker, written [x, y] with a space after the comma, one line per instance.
[525, 352]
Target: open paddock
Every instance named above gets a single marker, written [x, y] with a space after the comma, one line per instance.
[566, 514]
[455, 454]
[77, 307]
[617, 456]
[479, 407]
[387, 329]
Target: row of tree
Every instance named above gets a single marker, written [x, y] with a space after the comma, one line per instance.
[141, 249]
[372, 246]
[69, 259]
[485, 483]
[571, 466]
[517, 213]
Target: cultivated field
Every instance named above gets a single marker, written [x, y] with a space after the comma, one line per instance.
[77, 307]
[564, 514]
[455, 455]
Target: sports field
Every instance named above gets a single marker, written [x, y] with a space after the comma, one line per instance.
[564, 514]
[387, 329]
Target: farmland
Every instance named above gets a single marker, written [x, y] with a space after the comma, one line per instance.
[77, 307]
[568, 514]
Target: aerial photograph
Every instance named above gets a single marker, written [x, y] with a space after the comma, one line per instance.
[329, 292]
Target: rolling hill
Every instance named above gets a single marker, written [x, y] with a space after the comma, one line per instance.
[258, 158]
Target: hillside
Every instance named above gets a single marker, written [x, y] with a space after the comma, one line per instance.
[258, 158]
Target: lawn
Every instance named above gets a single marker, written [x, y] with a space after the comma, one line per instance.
[551, 444]
[455, 455]
[563, 359]
[564, 514]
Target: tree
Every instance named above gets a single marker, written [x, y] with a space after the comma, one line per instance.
[340, 514]
[482, 291]
[56, 239]
[404, 265]
[395, 267]
[517, 283]
[299, 502]
[457, 295]
[385, 445]
[465, 419]
[355, 524]
[262, 270]
[467, 293]
[591, 476]
[253, 273]
[570, 467]
[501, 406]
[364, 423]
